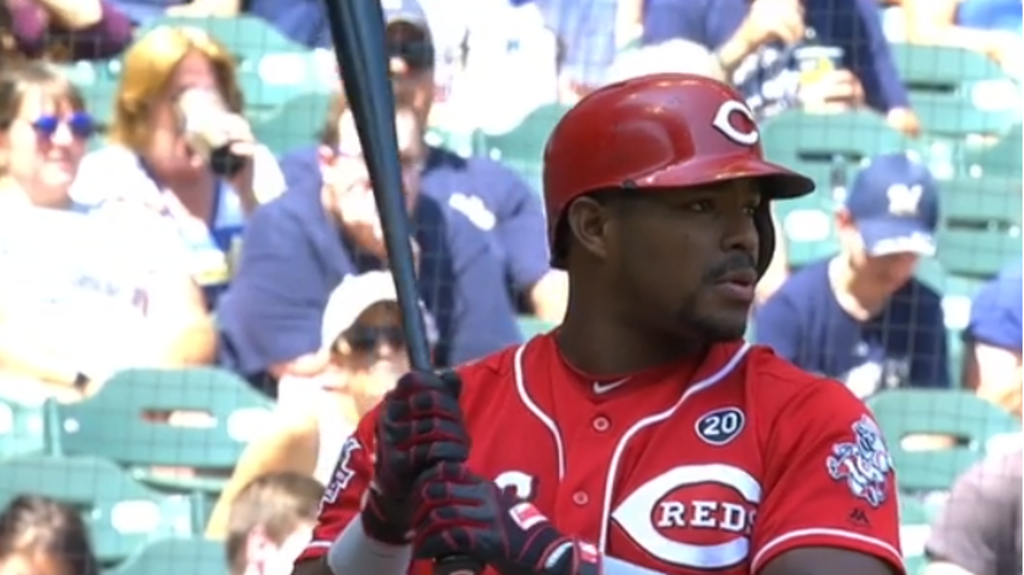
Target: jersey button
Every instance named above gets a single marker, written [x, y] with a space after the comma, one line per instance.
[601, 424]
[580, 498]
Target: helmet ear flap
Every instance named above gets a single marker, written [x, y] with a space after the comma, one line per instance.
[766, 232]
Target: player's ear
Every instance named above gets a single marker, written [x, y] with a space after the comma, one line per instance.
[589, 225]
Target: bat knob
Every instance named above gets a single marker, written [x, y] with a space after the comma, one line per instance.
[458, 565]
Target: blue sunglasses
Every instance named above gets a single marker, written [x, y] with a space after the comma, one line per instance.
[81, 125]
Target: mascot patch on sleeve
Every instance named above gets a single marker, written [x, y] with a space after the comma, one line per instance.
[864, 463]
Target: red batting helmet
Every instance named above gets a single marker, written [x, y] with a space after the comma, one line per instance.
[656, 132]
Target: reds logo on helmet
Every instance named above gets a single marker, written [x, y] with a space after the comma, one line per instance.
[693, 515]
[725, 122]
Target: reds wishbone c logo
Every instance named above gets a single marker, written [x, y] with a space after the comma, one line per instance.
[723, 123]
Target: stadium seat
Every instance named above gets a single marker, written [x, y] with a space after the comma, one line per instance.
[196, 421]
[956, 91]
[121, 513]
[828, 148]
[176, 556]
[914, 528]
[247, 37]
[296, 123]
[962, 416]
[522, 148]
[530, 326]
[1004, 158]
[21, 428]
[981, 224]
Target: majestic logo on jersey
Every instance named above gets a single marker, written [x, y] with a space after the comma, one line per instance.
[726, 122]
[720, 426]
[864, 463]
[343, 472]
[696, 516]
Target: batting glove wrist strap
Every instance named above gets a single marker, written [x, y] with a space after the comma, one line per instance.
[386, 519]
[459, 513]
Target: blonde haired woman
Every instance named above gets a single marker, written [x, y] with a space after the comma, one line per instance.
[180, 145]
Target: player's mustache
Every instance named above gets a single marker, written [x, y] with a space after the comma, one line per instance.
[737, 261]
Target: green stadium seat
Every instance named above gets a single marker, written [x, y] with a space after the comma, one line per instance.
[121, 513]
[914, 528]
[981, 224]
[21, 428]
[522, 148]
[971, 421]
[130, 421]
[296, 123]
[530, 326]
[248, 37]
[818, 145]
[1004, 158]
[955, 91]
[175, 556]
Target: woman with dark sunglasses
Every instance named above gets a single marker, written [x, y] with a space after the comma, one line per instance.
[73, 271]
[362, 355]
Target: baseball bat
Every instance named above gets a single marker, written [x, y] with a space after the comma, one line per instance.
[358, 31]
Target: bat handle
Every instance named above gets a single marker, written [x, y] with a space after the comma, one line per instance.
[458, 565]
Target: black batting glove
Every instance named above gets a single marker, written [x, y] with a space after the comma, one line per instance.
[460, 513]
[419, 425]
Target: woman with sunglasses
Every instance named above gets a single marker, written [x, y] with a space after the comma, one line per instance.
[363, 354]
[71, 273]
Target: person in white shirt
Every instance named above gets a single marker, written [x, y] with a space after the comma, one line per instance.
[362, 354]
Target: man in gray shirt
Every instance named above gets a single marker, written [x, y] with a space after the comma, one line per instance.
[979, 531]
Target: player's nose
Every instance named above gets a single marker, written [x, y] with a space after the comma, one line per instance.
[740, 234]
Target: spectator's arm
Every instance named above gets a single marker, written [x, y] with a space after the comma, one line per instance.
[776, 325]
[24, 351]
[523, 232]
[182, 332]
[74, 14]
[207, 8]
[291, 445]
[870, 59]
[997, 374]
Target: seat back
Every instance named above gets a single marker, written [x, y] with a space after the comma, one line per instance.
[522, 148]
[121, 513]
[969, 422]
[981, 224]
[199, 418]
[175, 556]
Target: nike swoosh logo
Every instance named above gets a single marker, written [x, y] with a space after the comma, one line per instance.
[600, 388]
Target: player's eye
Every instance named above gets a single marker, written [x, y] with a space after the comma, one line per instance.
[700, 206]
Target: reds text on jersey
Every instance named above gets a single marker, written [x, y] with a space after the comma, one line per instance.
[684, 469]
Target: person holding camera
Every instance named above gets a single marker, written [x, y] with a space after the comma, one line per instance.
[180, 146]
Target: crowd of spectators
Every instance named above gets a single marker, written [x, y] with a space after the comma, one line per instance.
[172, 237]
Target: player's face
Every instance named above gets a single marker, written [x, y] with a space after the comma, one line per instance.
[688, 257]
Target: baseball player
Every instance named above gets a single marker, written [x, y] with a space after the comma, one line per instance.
[643, 435]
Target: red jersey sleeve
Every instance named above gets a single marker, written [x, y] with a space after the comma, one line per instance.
[343, 496]
[829, 479]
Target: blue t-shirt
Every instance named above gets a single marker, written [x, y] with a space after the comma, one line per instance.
[294, 255]
[996, 315]
[1003, 15]
[491, 196]
[855, 26]
[906, 341]
[304, 21]
[142, 12]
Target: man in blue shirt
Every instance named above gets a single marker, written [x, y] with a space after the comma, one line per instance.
[491, 196]
[861, 316]
[760, 42]
[993, 338]
[302, 244]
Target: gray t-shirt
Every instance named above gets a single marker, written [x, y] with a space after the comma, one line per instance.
[980, 527]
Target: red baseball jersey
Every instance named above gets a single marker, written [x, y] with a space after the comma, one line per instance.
[717, 466]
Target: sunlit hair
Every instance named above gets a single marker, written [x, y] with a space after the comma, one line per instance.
[276, 503]
[36, 526]
[147, 69]
[29, 79]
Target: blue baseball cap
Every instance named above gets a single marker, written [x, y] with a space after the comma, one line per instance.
[894, 204]
[408, 11]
